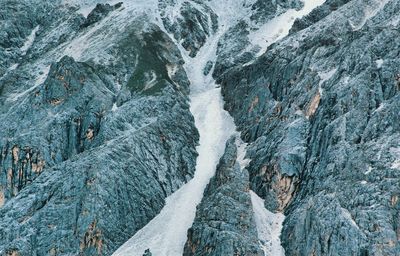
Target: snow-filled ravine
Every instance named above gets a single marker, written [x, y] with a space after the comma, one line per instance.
[166, 234]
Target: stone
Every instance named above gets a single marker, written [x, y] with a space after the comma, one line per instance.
[224, 223]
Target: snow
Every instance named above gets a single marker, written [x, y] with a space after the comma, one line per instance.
[42, 75]
[13, 67]
[29, 41]
[325, 76]
[370, 10]
[379, 63]
[269, 226]
[215, 126]
[396, 153]
[369, 170]
[279, 27]
[100, 37]
[86, 6]
[241, 155]
[347, 215]
[39, 80]
[114, 107]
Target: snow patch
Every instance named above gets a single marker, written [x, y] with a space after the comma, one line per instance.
[396, 153]
[13, 67]
[241, 153]
[379, 63]
[370, 11]
[368, 171]
[29, 41]
[269, 227]
[325, 76]
[42, 76]
[114, 107]
[348, 217]
[279, 27]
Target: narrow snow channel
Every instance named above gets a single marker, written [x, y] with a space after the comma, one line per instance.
[269, 226]
[29, 41]
[166, 234]
[279, 27]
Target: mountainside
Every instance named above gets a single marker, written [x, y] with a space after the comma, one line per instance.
[200, 127]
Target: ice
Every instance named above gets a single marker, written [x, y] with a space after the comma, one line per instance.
[29, 41]
[279, 27]
[269, 226]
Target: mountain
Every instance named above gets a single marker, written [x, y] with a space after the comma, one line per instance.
[199, 127]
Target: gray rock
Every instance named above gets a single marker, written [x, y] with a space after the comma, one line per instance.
[147, 253]
[85, 164]
[196, 23]
[99, 12]
[224, 223]
[208, 68]
[264, 10]
[321, 115]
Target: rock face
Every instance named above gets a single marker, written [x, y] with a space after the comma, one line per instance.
[89, 153]
[195, 22]
[224, 223]
[99, 12]
[321, 113]
[96, 130]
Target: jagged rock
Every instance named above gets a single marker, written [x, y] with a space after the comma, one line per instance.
[264, 10]
[96, 132]
[147, 253]
[208, 68]
[321, 114]
[88, 157]
[224, 223]
[197, 21]
[99, 12]
[317, 14]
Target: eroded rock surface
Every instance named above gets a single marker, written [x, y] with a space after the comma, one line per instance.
[321, 113]
[224, 223]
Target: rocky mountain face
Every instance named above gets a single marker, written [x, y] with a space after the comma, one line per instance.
[103, 120]
[224, 223]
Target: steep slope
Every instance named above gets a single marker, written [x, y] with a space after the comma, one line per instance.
[224, 223]
[91, 149]
[114, 116]
[321, 115]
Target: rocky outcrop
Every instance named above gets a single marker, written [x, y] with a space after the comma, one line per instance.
[262, 10]
[99, 12]
[224, 223]
[317, 14]
[196, 22]
[96, 130]
[320, 111]
[89, 154]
